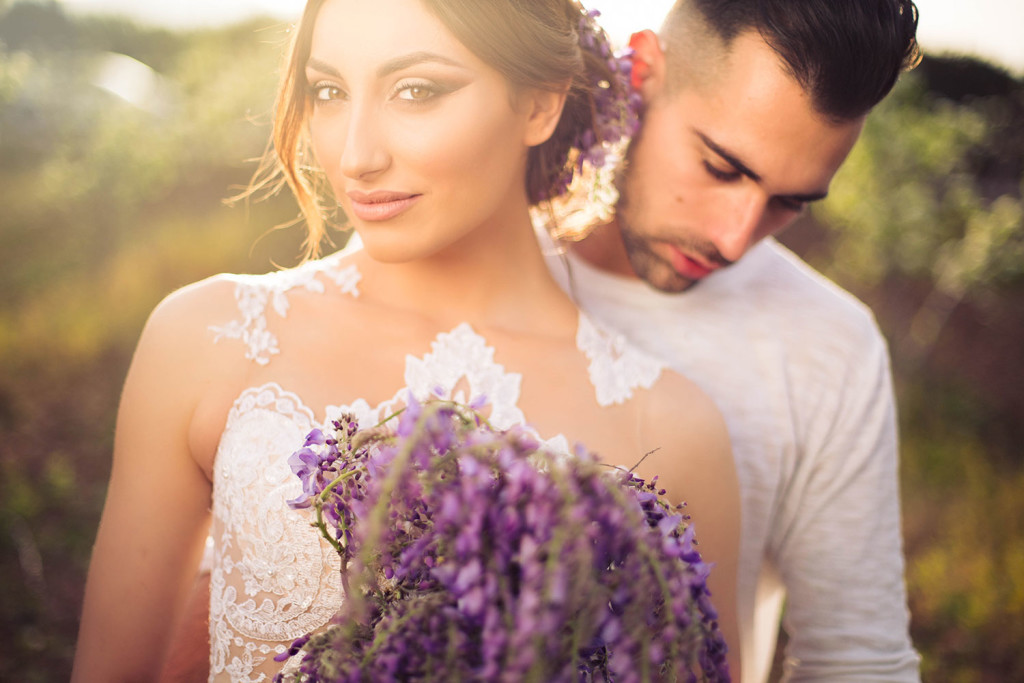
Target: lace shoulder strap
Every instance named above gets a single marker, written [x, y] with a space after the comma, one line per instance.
[255, 293]
[617, 367]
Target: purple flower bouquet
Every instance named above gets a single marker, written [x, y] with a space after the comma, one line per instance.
[470, 553]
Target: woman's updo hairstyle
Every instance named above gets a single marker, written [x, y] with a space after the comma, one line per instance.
[547, 44]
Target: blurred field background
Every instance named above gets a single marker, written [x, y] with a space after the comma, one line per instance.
[118, 145]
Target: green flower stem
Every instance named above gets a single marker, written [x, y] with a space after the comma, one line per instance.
[319, 505]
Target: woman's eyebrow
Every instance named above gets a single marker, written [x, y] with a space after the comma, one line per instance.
[413, 58]
[322, 67]
[389, 67]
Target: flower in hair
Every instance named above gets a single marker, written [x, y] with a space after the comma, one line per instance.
[585, 191]
[616, 104]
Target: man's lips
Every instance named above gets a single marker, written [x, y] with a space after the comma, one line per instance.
[688, 266]
[380, 205]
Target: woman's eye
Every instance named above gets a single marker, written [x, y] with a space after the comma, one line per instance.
[327, 93]
[415, 92]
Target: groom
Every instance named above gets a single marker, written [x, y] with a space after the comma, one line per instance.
[750, 108]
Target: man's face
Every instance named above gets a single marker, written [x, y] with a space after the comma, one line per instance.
[720, 166]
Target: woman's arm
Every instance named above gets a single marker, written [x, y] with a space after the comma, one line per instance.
[156, 514]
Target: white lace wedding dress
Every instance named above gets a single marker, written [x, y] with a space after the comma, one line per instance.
[273, 578]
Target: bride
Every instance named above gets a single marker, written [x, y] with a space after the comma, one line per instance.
[434, 126]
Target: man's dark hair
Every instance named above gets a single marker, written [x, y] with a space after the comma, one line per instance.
[846, 54]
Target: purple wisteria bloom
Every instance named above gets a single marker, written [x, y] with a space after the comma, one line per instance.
[617, 105]
[470, 553]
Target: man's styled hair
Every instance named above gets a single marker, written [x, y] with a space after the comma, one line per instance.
[846, 54]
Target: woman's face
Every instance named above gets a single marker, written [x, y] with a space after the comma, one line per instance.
[421, 141]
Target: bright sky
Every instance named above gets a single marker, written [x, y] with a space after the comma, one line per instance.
[990, 28]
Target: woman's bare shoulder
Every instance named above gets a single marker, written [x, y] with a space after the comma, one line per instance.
[177, 353]
[686, 432]
[680, 405]
[183, 324]
[179, 377]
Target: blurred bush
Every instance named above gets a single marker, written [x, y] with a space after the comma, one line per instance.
[118, 146]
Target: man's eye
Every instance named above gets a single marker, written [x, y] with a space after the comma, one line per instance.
[792, 204]
[719, 174]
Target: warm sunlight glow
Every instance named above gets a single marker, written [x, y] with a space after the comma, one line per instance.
[988, 28]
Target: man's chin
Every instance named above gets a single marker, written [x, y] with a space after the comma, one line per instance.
[652, 268]
[674, 288]
[668, 282]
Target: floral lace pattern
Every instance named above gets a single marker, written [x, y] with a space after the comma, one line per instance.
[616, 367]
[274, 579]
[255, 292]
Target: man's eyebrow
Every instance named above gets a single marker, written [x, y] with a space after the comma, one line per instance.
[389, 67]
[733, 161]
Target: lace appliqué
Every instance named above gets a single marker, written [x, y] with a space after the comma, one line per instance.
[617, 368]
[463, 354]
[273, 578]
[255, 292]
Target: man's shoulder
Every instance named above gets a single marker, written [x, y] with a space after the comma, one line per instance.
[784, 274]
[780, 283]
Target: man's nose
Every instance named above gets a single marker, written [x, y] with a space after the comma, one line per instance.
[741, 227]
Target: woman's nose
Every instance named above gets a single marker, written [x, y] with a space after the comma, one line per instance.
[365, 153]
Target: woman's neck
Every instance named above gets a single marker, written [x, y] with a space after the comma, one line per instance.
[493, 277]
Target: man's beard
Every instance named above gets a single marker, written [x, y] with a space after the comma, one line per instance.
[648, 265]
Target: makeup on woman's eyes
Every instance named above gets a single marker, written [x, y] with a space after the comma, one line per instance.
[421, 90]
[327, 81]
[415, 91]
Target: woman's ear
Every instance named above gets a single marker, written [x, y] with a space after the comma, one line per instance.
[648, 63]
[544, 109]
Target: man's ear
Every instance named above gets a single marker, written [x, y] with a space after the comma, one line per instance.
[544, 108]
[648, 63]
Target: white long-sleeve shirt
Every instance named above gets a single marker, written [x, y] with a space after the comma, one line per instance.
[801, 373]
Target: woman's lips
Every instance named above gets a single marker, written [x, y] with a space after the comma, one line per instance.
[380, 205]
[687, 266]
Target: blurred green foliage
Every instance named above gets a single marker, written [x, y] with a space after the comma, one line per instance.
[108, 205]
[912, 200]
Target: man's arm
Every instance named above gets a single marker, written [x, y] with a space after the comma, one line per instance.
[839, 546]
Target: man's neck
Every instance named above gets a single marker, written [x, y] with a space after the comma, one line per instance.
[603, 249]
